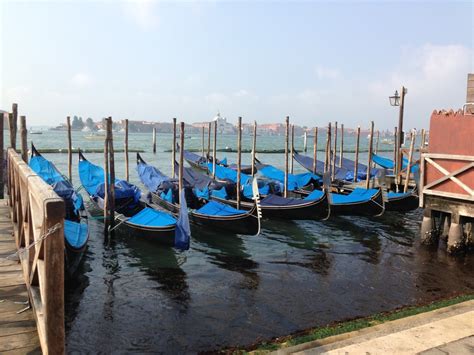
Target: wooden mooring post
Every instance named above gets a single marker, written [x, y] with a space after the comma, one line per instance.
[341, 154]
[239, 159]
[2, 157]
[305, 141]
[254, 146]
[181, 160]
[292, 147]
[287, 132]
[369, 160]
[125, 143]
[23, 139]
[14, 125]
[356, 160]
[209, 142]
[69, 148]
[315, 149]
[173, 150]
[334, 154]
[154, 140]
[214, 150]
[327, 160]
[112, 175]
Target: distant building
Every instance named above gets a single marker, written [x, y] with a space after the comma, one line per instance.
[223, 127]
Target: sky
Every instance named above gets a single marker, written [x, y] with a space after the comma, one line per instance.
[314, 61]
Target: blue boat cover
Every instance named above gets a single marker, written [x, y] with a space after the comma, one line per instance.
[388, 163]
[194, 157]
[168, 196]
[204, 193]
[92, 178]
[357, 195]
[275, 200]
[151, 177]
[339, 174]
[361, 168]
[76, 233]
[397, 194]
[182, 232]
[295, 181]
[152, 218]
[214, 208]
[315, 195]
[51, 175]
[224, 161]
[221, 193]
[224, 173]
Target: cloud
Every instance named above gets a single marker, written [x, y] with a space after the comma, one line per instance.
[327, 73]
[142, 12]
[81, 80]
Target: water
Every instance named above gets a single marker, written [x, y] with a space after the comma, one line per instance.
[136, 296]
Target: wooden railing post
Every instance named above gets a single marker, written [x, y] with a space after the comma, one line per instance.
[23, 137]
[53, 304]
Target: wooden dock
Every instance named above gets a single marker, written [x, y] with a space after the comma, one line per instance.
[18, 332]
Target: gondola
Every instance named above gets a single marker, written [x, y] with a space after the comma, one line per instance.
[130, 210]
[395, 201]
[76, 231]
[200, 162]
[205, 213]
[357, 202]
[388, 163]
[273, 205]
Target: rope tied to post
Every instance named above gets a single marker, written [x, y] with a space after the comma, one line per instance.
[49, 232]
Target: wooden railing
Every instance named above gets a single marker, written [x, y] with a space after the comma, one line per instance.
[38, 218]
[432, 162]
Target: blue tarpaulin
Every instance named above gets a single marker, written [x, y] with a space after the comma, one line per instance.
[223, 173]
[221, 193]
[214, 208]
[152, 218]
[183, 230]
[295, 181]
[248, 192]
[76, 233]
[357, 195]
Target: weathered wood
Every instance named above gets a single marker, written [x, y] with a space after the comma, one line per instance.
[214, 150]
[334, 153]
[14, 124]
[154, 140]
[254, 146]
[356, 160]
[23, 139]
[410, 157]
[377, 142]
[209, 142]
[423, 138]
[341, 154]
[12, 131]
[429, 159]
[400, 127]
[2, 158]
[292, 147]
[106, 181]
[287, 132]
[202, 140]
[38, 214]
[371, 141]
[181, 160]
[315, 149]
[305, 141]
[327, 161]
[173, 150]
[395, 151]
[127, 173]
[69, 148]
[112, 174]
[239, 159]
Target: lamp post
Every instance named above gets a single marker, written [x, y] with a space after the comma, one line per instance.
[397, 100]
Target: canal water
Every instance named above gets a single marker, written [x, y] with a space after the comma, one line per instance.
[232, 291]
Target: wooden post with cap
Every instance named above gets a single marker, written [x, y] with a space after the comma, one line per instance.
[254, 146]
[127, 173]
[173, 150]
[367, 180]
[239, 159]
[287, 132]
[334, 153]
[69, 148]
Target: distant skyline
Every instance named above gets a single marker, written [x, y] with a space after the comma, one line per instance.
[314, 61]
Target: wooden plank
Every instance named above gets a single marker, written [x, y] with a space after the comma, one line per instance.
[15, 341]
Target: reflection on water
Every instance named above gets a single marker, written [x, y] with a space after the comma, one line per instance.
[132, 295]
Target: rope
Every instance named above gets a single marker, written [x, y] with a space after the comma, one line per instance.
[49, 232]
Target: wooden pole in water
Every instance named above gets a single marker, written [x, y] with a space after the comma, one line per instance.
[377, 142]
[173, 150]
[69, 148]
[305, 141]
[395, 153]
[154, 140]
[239, 158]
[356, 163]
[328, 149]
[410, 157]
[2, 158]
[23, 137]
[12, 131]
[112, 174]
[127, 172]
[315, 149]
[254, 146]
[209, 142]
[14, 124]
[334, 153]
[341, 154]
[423, 138]
[292, 146]
[202, 140]
[106, 180]
[287, 132]
[181, 161]
[214, 149]
[367, 181]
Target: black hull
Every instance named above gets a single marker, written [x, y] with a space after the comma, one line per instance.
[240, 224]
[403, 204]
[313, 210]
[372, 208]
[73, 258]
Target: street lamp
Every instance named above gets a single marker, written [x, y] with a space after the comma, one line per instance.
[395, 99]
